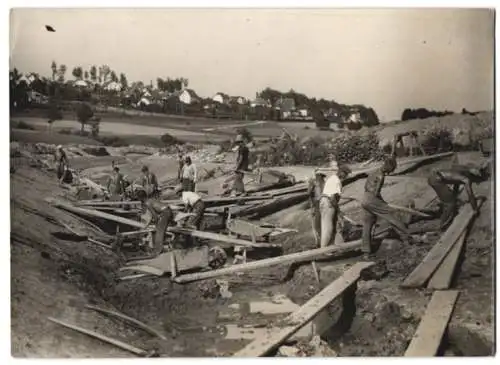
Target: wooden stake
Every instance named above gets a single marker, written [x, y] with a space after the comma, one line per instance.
[128, 319]
[117, 343]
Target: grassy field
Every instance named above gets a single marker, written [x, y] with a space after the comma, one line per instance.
[145, 129]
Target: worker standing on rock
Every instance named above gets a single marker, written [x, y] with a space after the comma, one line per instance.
[457, 175]
[150, 183]
[115, 184]
[242, 165]
[375, 207]
[188, 175]
[329, 203]
[62, 163]
[180, 161]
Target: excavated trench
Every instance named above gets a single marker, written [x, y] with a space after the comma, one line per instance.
[373, 319]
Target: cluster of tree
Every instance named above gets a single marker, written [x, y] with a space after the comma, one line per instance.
[57, 89]
[422, 113]
[171, 85]
[318, 106]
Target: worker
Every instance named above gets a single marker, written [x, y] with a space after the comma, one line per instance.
[150, 183]
[115, 184]
[456, 175]
[188, 175]
[62, 163]
[315, 189]
[375, 207]
[193, 204]
[329, 203]
[180, 161]
[242, 165]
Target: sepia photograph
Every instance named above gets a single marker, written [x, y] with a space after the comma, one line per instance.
[252, 182]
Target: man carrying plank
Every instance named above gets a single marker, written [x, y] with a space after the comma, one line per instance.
[456, 175]
[374, 206]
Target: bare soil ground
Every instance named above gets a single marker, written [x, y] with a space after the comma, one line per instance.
[54, 277]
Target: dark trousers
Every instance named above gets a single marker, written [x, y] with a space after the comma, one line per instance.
[198, 209]
[447, 197]
[188, 185]
[374, 208]
[316, 221]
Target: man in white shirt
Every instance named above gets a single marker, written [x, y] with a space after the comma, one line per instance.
[194, 204]
[188, 175]
[328, 204]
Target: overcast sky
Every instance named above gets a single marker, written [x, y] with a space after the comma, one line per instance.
[386, 59]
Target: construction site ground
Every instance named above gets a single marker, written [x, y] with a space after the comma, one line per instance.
[53, 277]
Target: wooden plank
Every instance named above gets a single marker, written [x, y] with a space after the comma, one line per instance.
[219, 237]
[427, 338]
[308, 255]
[185, 259]
[112, 341]
[128, 319]
[436, 255]
[105, 203]
[212, 202]
[443, 275]
[265, 344]
[95, 213]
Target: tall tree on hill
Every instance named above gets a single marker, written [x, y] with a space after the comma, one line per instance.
[99, 74]
[77, 73]
[86, 75]
[61, 73]
[160, 84]
[53, 66]
[93, 73]
[113, 76]
[105, 72]
[123, 80]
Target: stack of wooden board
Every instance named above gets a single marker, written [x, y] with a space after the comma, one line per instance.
[437, 268]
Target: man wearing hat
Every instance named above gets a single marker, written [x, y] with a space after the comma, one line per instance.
[149, 182]
[374, 206]
[329, 203]
[456, 175]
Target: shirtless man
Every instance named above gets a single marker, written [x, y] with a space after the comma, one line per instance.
[457, 175]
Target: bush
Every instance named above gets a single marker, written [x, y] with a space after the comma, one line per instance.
[245, 132]
[66, 131]
[22, 125]
[436, 139]
[352, 148]
[169, 140]
[346, 148]
[112, 141]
